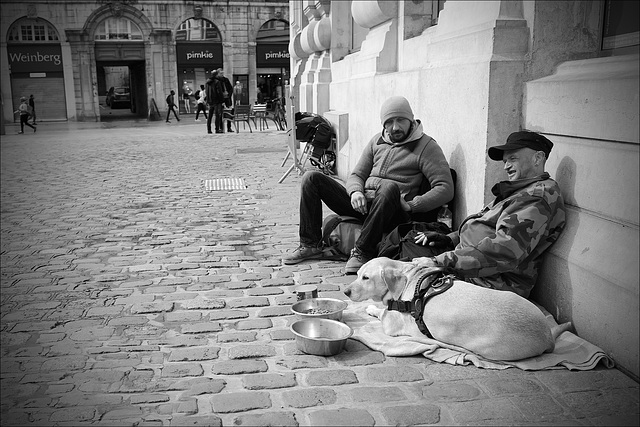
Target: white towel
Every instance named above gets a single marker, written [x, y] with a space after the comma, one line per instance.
[571, 352]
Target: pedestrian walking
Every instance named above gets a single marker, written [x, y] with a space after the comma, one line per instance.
[23, 109]
[171, 106]
[201, 95]
[32, 109]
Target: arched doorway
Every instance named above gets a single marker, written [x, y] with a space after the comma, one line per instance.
[272, 60]
[35, 60]
[198, 53]
[120, 69]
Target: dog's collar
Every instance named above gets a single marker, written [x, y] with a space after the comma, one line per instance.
[429, 283]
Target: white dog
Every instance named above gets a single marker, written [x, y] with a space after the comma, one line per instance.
[497, 325]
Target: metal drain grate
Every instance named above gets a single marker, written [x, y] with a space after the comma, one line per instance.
[224, 184]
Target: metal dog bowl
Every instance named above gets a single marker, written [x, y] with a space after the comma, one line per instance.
[319, 308]
[322, 337]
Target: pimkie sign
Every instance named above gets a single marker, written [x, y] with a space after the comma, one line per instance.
[35, 58]
[272, 55]
[199, 54]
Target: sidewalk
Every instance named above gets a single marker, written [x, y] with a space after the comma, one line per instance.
[131, 295]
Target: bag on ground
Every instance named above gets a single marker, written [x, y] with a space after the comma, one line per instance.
[339, 233]
[400, 242]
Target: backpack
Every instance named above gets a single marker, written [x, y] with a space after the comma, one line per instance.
[197, 94]
[400, 242]
[339, 234]
[314, 129]
[169, 100]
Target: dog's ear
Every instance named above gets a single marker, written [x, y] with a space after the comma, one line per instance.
[395, 280]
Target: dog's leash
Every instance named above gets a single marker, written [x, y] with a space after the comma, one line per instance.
[429, 284]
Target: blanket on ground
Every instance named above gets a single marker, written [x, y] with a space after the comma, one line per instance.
[571, 352]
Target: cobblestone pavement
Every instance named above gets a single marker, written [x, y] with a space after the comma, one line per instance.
[132, 296]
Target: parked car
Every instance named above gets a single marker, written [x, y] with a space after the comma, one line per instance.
[118, 97]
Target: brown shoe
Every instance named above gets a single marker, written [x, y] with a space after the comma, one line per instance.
[356, 260]
[303, 253]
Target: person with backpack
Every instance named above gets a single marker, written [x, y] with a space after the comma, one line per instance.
[171, 106]
[215, 99]
[201, 104]
[23, 109]
[382, 191]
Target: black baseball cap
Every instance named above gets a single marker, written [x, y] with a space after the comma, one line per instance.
[522, 139]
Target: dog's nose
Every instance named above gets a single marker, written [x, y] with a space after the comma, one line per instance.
[347, 292]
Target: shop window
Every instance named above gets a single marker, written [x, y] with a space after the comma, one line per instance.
[32, 30]
[118, 29]
[194, 29]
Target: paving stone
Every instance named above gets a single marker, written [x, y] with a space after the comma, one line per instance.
[451, 391]
[199, 328]
[359, 358]
[200, 303]
[302, 362]
[393, 374]
[200, 386]
[196, 420]
[179, 370]
[499, 411]
[268, 419]
[268, 381]
[500, 387]
[410, 415]
[378, 394]
[73, 415]
[342, 417]
[248, 336]
[193, 354]
[234, 367]
[149, 398]
[282, 334]
[253, 324]
[251, 351]
[183, 316]
[240, 402]
[249, 302]
[275, 311]
[307, 397]
[228, 314]
[330, 377]
[151, 307]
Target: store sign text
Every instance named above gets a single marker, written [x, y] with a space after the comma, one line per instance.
[272, 54]
[199, 54]
[35, 58]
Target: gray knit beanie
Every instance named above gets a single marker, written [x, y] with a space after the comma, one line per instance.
[396, 106]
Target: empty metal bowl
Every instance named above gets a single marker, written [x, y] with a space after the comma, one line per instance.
[321, 337]
[319, 308]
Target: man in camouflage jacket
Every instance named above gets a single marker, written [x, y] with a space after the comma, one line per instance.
[501, 247]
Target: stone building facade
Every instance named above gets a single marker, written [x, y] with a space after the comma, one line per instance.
[69, 54]
[475, 71]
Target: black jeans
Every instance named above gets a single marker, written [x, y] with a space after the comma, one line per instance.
[202, 108]
[172, 108]
[24, 121]
[215, 110]
[385, 211]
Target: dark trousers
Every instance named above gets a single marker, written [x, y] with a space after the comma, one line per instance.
[172, 108]
[385, 211]
[202, 108]
[24, 120]
[215, 110]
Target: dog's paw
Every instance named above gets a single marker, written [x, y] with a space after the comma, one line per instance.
[374, 311]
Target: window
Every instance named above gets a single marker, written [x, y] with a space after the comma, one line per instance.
[198, 29]
[274, 30]
[420, 15]
[621, 27]
[358, 34]
[32, 30]
[118, 29]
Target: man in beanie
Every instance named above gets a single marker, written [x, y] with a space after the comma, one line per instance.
[383, 189]
[502, 246]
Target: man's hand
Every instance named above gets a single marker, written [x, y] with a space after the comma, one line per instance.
[433, 239]
[359, 202]
[404, 204]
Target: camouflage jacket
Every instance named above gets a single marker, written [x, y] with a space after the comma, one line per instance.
[501, 247]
